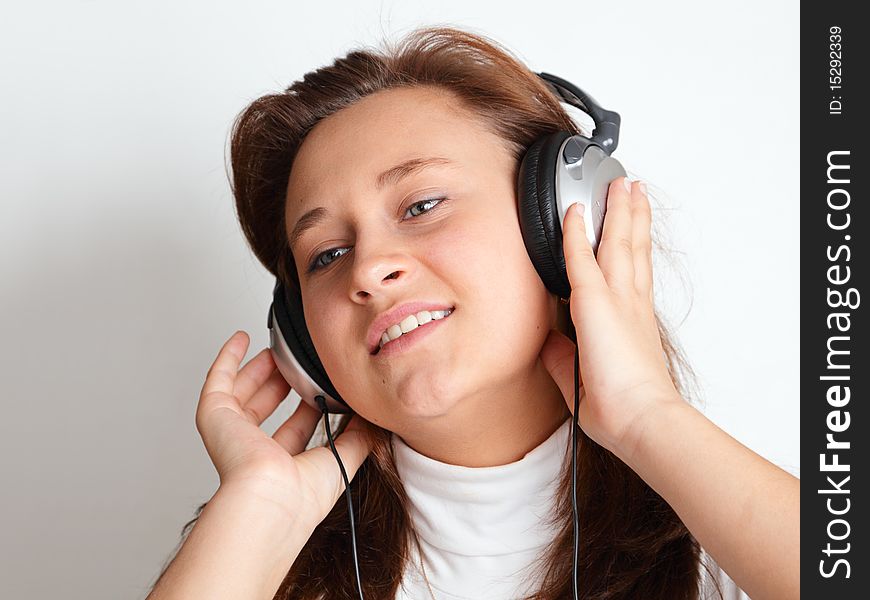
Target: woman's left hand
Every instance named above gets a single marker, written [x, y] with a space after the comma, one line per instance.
[623, 370]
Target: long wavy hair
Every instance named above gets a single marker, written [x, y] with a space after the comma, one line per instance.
[633, 543]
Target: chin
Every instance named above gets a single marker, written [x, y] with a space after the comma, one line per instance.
[425, 398]
[425, 408]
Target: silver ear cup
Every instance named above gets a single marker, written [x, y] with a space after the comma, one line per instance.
[293, 372]
[585, 178]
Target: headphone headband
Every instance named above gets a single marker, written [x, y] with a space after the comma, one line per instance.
[607, 122]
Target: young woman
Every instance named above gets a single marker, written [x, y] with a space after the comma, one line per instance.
[458, 448]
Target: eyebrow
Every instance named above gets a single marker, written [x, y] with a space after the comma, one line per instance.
[391, 176]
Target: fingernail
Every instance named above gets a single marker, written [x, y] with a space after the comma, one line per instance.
[642, 187]
[627, 184]
[580, 208]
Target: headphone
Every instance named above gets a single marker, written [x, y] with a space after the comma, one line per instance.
[557, 170]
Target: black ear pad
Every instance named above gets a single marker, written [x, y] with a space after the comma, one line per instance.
[291, 319]
[538, 213]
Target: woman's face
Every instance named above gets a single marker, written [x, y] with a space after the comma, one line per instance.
[388, 246]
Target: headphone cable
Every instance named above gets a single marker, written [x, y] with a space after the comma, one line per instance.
[321, 402]
[574, 427]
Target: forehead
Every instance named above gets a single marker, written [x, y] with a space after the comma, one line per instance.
[347, 150]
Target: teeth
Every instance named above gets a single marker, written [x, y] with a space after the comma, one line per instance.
[411, 322]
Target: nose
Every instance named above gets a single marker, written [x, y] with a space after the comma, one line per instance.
[379, 268]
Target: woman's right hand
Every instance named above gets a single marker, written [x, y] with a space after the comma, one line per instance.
[232, 406]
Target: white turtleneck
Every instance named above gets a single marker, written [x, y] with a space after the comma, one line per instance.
[481, 528]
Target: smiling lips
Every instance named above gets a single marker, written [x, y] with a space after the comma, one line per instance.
[412, 337]
[395, 317]
[410, 323]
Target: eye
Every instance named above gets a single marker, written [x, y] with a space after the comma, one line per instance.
[318, 264]
[428, 203]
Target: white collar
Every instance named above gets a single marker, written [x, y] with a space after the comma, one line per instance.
[485, 511]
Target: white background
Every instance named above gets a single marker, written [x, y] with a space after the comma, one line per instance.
[123, 268]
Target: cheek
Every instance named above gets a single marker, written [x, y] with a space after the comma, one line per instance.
[490, 271]
[500, 258]
[330, 331]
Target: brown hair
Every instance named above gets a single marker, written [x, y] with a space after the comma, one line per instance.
[633, 545]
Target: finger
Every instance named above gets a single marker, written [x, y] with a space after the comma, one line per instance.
[221, 375]
[294, 434]
[641, 240]
[266, 399]
[357, 423]
[615, 253]
[583, 271]
[353, 446]
[253, 375]
[557, 354]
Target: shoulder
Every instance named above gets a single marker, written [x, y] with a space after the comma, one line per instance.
[713, 578]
